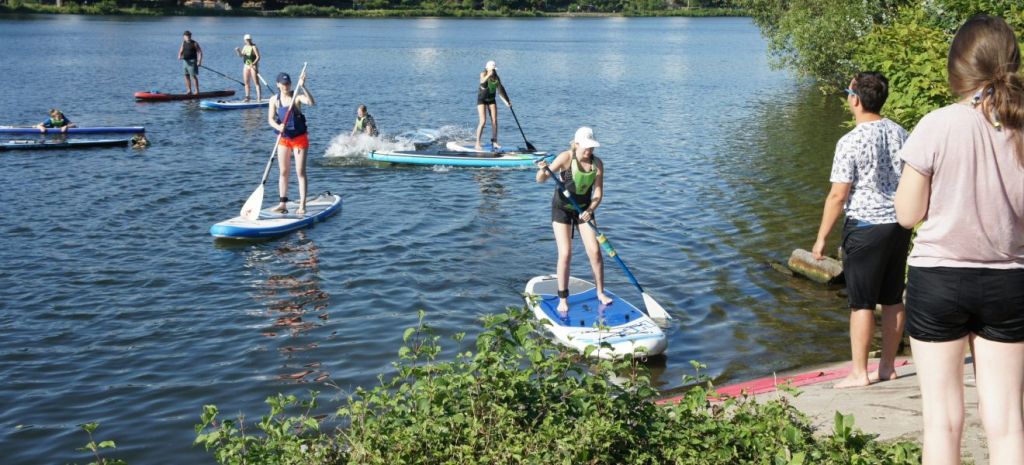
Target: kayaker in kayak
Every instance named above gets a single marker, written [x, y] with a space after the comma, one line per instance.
[294, 138]
[56, 120]
[582, 174]
[364, 123]
[191, 55]
[486, 103]
[250, 66]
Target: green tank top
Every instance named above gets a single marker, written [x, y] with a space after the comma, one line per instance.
[249, 54]
[583, 180]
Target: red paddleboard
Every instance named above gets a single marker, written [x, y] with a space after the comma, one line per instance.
[160, 96]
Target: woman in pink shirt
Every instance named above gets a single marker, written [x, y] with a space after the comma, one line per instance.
[964, 176]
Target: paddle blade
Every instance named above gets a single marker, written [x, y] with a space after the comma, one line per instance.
[252, 207]
[655, 310]
[530, 147]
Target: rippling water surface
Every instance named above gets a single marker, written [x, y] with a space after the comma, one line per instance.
[118, 307]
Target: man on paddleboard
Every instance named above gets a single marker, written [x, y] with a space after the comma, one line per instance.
[191, 55]
[294, 139]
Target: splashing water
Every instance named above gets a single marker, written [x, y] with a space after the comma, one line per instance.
[348, 146]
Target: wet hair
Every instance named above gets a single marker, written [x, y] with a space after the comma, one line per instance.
[872, 90]
[54, 112]
[362, 107]
[188, 34]
[985, 58]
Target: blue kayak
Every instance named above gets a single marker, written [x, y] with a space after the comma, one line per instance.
[83, 130]
[509, 159]
[232, 104]
[272, 224]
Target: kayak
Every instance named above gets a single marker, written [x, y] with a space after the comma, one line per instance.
[155, 96]
[272, 224]
[621, 325]
[82, 130]
[455, 158]
[232, 104]
[61, 144]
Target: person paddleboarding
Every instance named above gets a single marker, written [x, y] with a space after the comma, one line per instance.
[488, 92]
[582, 174]
[294, 138]
[250, 66]
[191, 55]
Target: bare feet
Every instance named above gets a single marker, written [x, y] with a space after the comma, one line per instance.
[301, 211]
[281, 208]
[605, 300]
[563, 308]
[882, 375]
[477, 146]
[853, 380]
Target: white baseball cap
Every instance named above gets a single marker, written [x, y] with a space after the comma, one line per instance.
[490, 65]
[585, 138]
[247, 37]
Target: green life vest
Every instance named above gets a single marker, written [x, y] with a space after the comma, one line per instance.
[583, 180]
[249, 54]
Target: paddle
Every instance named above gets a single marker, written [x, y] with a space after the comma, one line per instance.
[654, 309]
[265, 83]
[529, 146]
[222, 74]
[251, 208]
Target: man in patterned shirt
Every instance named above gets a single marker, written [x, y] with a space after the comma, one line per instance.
[865, 172]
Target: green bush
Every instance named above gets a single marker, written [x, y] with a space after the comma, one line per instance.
[518, 399]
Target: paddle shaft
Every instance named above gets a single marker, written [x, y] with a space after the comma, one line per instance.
[222, 74]
[529, 146]
[606, 245]
[272, 90]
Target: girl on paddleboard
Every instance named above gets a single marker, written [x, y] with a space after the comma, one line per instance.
[250, 66]
[582, 174]
[486, 103]
[294, 138]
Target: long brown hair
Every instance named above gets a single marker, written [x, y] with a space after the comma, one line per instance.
[985, 55]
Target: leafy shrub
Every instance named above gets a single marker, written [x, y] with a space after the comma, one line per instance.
[518, 399]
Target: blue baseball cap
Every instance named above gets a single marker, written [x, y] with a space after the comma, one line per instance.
[284, 78]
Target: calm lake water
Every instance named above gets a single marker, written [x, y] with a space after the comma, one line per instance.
[117, 306]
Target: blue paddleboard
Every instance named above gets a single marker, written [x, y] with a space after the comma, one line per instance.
[272, 224]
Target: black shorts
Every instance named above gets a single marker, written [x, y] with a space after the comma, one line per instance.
[482, 100]
[945, 304]
[570, 217]
[874, 263]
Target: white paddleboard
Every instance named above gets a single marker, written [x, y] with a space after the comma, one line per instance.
[271, 224]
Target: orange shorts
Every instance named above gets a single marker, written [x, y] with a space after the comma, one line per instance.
[298, 142]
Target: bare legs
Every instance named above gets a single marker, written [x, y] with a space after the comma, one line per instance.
[250, 73]
[862, 329]
[284, 155]
[563, 239]
[188, 83]
[482, 112]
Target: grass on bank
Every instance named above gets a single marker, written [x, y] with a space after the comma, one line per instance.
[427, 9]
[514, 398]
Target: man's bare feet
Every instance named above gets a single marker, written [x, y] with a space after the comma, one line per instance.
[853, 380]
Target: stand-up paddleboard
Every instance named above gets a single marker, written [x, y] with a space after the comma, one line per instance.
[619, 324]
[454, 158]
[61, 144]
[232, 104]
[75, 130]
[272, 224]
[484, 148]
[419, 138]
[155, 96]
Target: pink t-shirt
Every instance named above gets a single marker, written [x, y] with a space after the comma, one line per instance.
[975, 215]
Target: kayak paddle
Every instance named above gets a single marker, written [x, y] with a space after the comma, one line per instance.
[222, 74]
[654, 309]
[251, 208]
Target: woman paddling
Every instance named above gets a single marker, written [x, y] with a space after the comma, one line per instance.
[294, 138]
[486, 103]
[250, 67]
[582, 174]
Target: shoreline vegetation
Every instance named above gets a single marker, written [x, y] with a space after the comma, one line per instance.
[512, 396]
[373, 9]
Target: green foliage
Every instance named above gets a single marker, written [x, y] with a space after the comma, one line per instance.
[516, 398]
[94, 447]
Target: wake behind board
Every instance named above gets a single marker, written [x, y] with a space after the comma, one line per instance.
[155, 96]
[232, 104]
[484, 148]
[75, 130]
[42, 144]
[456, 158]
[625, 328]
[419, 138]
[272, 224]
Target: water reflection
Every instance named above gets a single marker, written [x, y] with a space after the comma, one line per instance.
[296, 306]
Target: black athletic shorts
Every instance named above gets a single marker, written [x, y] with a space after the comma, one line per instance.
[874, 263]
[945, 304]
